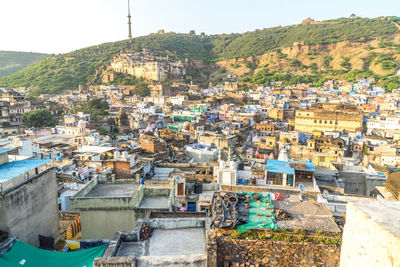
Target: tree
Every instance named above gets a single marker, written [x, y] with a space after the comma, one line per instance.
[97, 108]
[39, 118]
[98, 103]
[142, 89]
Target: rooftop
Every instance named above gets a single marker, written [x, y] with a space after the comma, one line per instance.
[154, 202]
[309, 216]
[13, 169]
[164, 243]
[94, 149]
[384, 213]
[114, 190]
[5, 150]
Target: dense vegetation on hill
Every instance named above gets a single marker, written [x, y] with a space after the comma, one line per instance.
[261, 41]
[11, 62]
[67, 71]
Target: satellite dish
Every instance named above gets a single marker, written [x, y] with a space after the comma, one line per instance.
[325, 193]
[302, 188]
[178, 179]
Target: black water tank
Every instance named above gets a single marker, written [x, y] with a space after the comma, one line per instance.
[198, 188]
[241, 166]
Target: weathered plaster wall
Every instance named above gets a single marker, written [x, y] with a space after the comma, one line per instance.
[99, 224]
[354, 183]
[371, 234]
[31, 209]
[101, 217]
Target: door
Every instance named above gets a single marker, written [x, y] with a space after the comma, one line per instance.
[181, 189]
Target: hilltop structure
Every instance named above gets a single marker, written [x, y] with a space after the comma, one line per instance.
[147, 65]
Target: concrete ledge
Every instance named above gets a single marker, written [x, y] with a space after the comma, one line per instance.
[190, 260]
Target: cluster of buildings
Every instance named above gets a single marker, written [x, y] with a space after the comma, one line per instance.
[146, 177]
[145, 65]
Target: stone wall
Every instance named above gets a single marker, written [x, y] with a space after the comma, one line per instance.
[225, 251]
[115, 262]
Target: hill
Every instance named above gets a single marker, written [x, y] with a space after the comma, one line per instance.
[263, 50]
[11, 62]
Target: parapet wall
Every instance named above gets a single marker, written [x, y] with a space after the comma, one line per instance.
[31, 209]
[225, 251]
[371, 234]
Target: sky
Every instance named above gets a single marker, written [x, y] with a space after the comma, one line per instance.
[56, 26]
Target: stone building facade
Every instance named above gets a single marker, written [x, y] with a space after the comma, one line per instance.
[148, 66]
[329, 118]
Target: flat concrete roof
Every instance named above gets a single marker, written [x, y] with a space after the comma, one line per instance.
[184, 241]
[383, 212]
[5, 150]
[155, 202]
[307, 216]
[177, 242]
[94, 149]
[114, 190]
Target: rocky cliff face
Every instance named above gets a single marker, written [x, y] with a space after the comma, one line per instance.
[364, 54]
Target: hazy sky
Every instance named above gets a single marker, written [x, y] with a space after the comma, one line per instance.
[55, 26]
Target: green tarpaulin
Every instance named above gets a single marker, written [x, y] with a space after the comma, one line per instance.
[258, 214]
[24, 255]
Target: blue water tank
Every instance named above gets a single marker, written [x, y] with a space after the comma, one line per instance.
[191, 206]
[141, 180]
[245, 181]
[240, 181]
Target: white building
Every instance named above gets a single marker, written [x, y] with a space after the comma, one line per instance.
[202, 153]
[383, 123]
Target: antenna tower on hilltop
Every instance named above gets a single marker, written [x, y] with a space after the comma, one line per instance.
[129, 22]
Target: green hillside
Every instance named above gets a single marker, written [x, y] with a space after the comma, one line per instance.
[11, 62]
[66, 71]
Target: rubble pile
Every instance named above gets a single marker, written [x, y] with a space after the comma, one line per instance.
[146, 231]
[282, 215]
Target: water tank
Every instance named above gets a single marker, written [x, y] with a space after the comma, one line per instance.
[241, 166]
[141, 180]
[191, 206]
[198, 188]
[232, 165]
[222, 164]
[245, 181]
[125, 154]
[240, 181]
[116, 154]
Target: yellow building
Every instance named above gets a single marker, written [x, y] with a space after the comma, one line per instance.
[329, 117]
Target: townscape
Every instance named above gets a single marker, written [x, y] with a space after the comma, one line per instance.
[168, 172]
